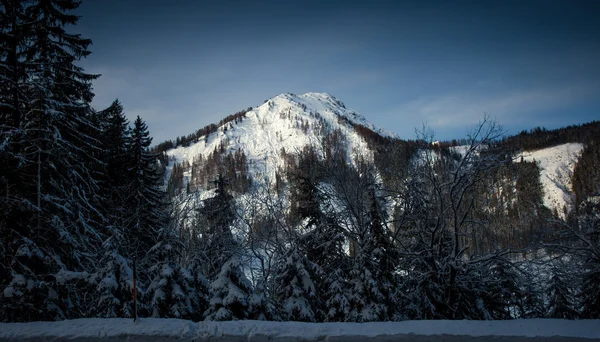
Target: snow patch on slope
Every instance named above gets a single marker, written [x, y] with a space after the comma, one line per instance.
[556, 172]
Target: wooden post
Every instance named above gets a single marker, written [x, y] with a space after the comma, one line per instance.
[134, 293]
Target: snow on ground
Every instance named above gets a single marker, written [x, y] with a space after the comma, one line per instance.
[155, 329]
[556, 172]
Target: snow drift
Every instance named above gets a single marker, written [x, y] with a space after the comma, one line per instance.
[154, 329]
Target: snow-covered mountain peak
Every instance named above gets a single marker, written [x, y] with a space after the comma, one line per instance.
[325, 103]
[285, 123]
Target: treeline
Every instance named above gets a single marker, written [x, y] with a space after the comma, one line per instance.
[435, 245]
[586, 175]
[203, 171]
[539, 137]
[202, 132]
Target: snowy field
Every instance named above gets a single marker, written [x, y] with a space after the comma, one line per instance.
[150, 329]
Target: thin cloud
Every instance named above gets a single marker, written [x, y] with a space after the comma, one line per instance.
[467, 108]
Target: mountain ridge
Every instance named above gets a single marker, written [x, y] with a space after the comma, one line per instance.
[287, 123]
[283, 124]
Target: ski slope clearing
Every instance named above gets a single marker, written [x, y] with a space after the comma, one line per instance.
[556, 171]
[156, 329]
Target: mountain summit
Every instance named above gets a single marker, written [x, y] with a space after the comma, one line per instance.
[286, 123]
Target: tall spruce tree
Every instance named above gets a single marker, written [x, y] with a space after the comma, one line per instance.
[561, 298]
[12, 98]
[57, 194]
[172, 289]
[296, 288]
[116, 139]
[146, 203]
[114, 283]
[589, 226]
[215, 218]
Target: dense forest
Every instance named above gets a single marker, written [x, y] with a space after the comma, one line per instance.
[93, 226]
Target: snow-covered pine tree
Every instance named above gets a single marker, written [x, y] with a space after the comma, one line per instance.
[590, 291]
[322, 245]
[200, 285]
[589, 226]
[171, 290]
[372, 295]
[114, 285]
[532, 293]
[261, 305]
[214, 220]
[151, 239]
[337, 303]
[367, 300]
[560, 296]
[295, 286]
[230, 293]
[499, 293]
[114, 275]
[321, 238]
[12, 95]
[57, 193]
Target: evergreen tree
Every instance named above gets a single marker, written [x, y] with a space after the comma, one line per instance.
[502, 289]
[561, 299]
[114, 281]
[295, 287]
[373, 296]
[261, 306]
[12, 98]
[116, 140]
[230, 294]
[367, 300]
[589, 226]
[171, 291]
[338, 297]
[216, 216]
[201, 287]
[57, 193]
[147, 209]
[590, 292]
[532, 291]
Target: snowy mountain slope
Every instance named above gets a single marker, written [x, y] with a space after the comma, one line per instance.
[556, 171]
[289, 122]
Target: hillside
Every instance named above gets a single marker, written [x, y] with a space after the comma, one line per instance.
[557, 164]
[284, 124]
[302, 200]
[265, 136]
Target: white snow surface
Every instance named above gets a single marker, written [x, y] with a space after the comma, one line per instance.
[556, 171]
[276, 124]
[173, 329]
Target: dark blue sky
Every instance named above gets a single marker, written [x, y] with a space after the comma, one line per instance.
[182, 64]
